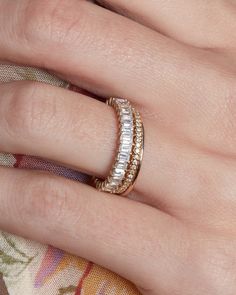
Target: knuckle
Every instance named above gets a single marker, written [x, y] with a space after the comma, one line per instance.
[51, 21]
[226, 110]
[218, 108]
[28, 111]
[217, 268]
[230, 101]
[42, 199]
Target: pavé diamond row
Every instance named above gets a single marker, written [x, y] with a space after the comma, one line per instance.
[130, 152]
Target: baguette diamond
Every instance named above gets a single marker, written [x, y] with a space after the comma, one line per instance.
[136, 156]
[128, 159]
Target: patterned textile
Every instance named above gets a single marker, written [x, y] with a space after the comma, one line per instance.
[29, 268]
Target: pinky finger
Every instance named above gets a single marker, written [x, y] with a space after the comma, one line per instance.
[132, 239]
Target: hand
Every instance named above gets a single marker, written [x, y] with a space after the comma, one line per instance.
[176, 233]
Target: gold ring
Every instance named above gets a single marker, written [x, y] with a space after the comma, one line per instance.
[127, 164]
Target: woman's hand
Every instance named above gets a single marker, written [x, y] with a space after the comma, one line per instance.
[176, 233]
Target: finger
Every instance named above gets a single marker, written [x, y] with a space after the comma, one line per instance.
[199, 23]
[166, 77]
[189, 183]
[124, 236]
[92, 47]
[187, 86]
[82, 133]
[77, 131]
[64, 126]
[39, 119]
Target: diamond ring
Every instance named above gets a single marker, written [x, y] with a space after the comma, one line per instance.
[129, 156]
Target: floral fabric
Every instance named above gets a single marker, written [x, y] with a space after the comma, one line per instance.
[29, 268]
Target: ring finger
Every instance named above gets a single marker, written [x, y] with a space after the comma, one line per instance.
[82, 133]
[61, 125]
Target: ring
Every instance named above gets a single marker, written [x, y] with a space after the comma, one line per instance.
[127, 164]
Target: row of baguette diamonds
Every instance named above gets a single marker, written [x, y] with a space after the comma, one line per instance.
[136, 156]
[118, 171]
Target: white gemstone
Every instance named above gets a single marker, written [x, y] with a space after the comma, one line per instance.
[127, 125]
[121, 166]
[125, 111]
[126, 131]
[126, 141]
[119, 174]
[118, 170]
[114, 180]
[122, 100]
[123, 157]
[126, 119]
[124, 148]
[127, 146]
[126, 135]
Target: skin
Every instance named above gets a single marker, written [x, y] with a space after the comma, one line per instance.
[175, 60]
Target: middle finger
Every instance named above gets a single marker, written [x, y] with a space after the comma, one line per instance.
[94, 48]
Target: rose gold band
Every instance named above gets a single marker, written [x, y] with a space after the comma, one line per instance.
[127, 164]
